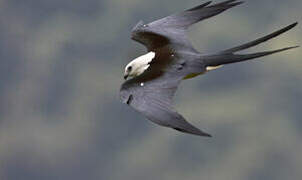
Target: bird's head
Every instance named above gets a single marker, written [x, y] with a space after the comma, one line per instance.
[137, 66]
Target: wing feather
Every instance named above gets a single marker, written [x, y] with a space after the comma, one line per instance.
[152, 93]
[191, 16]
[171, 30]
[153, 100]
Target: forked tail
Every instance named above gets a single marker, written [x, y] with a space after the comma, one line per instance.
[228, 56]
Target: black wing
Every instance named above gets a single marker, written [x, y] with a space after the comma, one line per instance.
[171, 30]
[151, 94]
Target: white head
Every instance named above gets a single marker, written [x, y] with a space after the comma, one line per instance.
[137, 66]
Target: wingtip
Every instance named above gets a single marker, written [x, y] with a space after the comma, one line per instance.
[230, 2]
[208, 135]
[227, 4]
[204, 134]
[200, 6]
[236, 3]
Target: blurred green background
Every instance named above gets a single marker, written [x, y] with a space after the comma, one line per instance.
[60, 117]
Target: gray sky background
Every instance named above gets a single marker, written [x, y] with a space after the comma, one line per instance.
[60, 117]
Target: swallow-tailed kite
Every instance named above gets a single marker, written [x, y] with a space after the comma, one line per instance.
[155, 76]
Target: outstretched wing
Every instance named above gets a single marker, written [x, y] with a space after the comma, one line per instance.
[171, 30]
[151, 94]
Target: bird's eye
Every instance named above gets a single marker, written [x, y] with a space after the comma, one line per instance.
[129, 68]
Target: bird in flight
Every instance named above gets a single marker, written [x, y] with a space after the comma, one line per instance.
[152, 79]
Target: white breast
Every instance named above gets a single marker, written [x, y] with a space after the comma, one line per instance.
[140, 64]
[145, 59]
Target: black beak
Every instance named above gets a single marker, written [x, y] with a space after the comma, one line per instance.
[125, 77]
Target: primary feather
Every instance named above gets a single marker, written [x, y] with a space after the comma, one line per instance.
[151, 92]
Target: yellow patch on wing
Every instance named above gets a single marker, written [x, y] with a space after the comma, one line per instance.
[208, 68]
[189, 76]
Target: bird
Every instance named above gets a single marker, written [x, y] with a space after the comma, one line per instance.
[151, 80]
